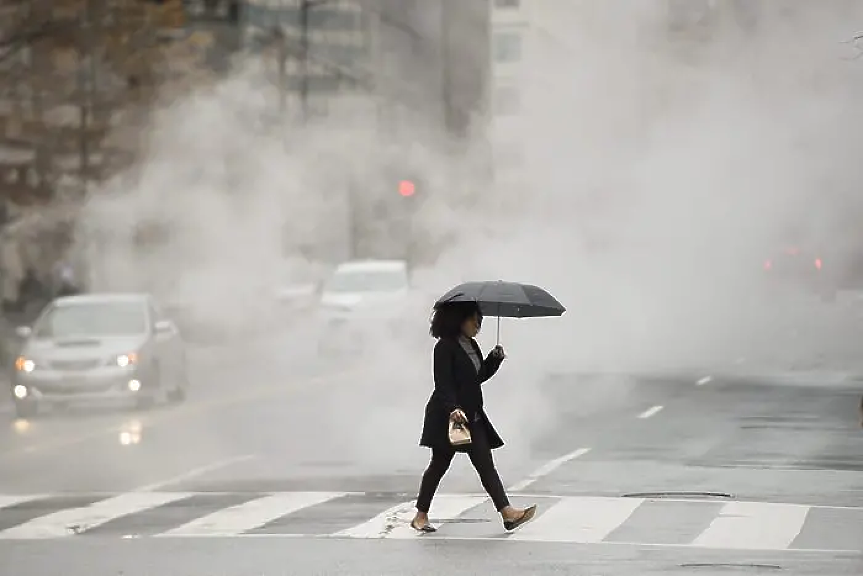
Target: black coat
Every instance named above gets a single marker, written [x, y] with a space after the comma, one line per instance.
[457, 385]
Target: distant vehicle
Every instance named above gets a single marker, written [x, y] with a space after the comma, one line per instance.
[803, 269]
[99, 348]
[365, 284]
[375, 291]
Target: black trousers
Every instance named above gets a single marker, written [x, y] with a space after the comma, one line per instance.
[481, 458]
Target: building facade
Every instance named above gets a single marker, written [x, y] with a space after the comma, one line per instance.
[414, 76]
[423, 60]
[528, 42]
[548, 60]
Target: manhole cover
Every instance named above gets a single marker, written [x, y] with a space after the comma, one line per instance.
[734, 566]
[666, 494]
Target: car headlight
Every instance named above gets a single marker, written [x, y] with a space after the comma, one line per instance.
[23, 364]
[124, 360]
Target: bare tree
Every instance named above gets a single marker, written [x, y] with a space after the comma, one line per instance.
[67, 67]
[70, 73]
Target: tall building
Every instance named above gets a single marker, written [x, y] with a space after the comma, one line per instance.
[543, 49]
[424, 60]
[528, 50]
[417, 71]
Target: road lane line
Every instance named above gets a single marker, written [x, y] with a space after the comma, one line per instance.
[650, 412]
[7, 500]
[395, 521]
[250, 515]
[547, 469]
[439, 537]
[704, 381]
[754, 526]
[195, 472]
[76, 520]
[184, 411]
[581, 519]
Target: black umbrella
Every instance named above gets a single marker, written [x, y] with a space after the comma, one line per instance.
[505, 300]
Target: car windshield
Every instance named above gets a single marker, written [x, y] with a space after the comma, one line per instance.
[367, 281]
[92, 319]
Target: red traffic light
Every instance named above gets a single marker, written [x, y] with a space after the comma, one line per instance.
[406, 188]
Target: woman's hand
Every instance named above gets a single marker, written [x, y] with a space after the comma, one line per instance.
[458, 416]
[497, 353]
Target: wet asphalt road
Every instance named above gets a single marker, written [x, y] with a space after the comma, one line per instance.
[266, 423]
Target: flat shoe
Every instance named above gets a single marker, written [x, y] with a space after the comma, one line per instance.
[526, 516]
[426, 529]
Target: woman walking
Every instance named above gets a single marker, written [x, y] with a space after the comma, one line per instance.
[459, 372]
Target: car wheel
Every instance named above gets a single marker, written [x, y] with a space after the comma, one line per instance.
[151, 386]
[828, 296]
[325, 348]
[178, 394]
[26, 409]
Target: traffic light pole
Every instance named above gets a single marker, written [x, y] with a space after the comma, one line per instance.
[305, 7]
[352, 220]
[283, 74]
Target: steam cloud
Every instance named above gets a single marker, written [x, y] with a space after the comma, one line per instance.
[657, 177]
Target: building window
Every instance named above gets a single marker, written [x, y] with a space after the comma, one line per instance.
[507, 3]
[507, 47]
[507, 100]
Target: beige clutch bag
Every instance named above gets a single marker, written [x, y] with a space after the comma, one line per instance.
[459, 435]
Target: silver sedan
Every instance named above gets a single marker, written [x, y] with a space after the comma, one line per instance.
[99, 348]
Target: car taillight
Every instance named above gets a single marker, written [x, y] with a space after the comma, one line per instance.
[818, 263]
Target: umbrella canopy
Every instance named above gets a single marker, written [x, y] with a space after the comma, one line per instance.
[505, 299]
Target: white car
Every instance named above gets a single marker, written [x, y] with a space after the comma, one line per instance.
[361, 295]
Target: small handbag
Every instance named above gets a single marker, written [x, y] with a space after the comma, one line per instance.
[459, 435]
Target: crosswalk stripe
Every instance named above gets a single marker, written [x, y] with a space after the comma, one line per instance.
[250, 515]
[444, 507]
[754, 526]
[584, 520]
[7, 500]
[76, 520]
[737, 525]
[395, 521]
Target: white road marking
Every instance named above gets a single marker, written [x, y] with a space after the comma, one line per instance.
[547, 469]
[704, 381]
[194, 472]
[498, 538]
[75, 520]
[250, 515]
[754, 526]
[584, 520]
[569, 519]
[395, 522]
[650, 412]
[7, 500]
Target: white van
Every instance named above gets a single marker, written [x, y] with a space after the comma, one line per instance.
[364, 284]
[359, 297]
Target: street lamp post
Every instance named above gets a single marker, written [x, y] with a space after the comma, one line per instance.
[305, 8]
[283, 57]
